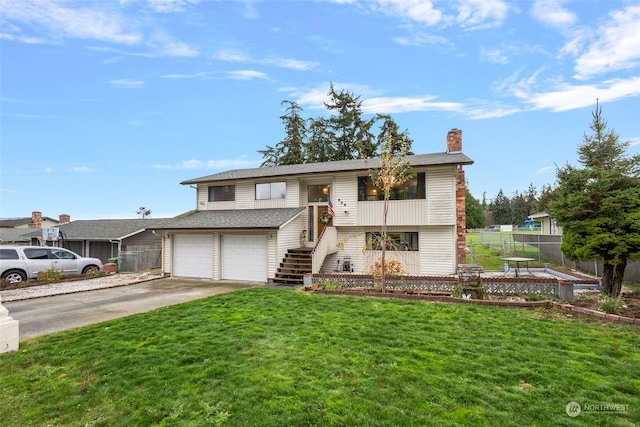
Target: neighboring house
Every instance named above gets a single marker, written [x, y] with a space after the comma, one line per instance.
[106, 238]
[15, 231]
[548, 225]
[248, 222]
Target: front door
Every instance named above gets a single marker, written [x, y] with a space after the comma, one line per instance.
[320, 224]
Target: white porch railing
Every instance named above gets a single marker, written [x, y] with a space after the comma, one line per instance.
[326, 245]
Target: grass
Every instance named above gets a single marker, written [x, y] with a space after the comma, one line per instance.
[488, 255]
[274, 357]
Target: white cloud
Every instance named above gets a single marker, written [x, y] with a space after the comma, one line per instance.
[293, 64]
[231, 55]
[421, 11]
[544, 169]
[187, 76]
[246, 75]
[165, 6]
[421, 39]
[81, 169]
[634, 141]
[99, 22]
[211, 164]
[180, 49]
[25, 39]
[552, 13]
[470, 14]
[481, 14]
[617, 46]
[57, 20]
[234, 55]
[568, 97]
[496, 55]
[127, 83]
[390, 105]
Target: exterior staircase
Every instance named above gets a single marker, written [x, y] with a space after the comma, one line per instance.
[294, 265]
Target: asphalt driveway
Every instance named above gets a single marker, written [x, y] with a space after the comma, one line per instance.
[43, 316]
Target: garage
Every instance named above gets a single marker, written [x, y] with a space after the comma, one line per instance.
[193, 255]
[244, 257]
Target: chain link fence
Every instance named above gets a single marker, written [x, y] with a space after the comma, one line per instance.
[545, 249]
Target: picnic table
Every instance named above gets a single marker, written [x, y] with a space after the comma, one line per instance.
[518, 261]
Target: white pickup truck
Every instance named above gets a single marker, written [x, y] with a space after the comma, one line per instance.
[19, 263]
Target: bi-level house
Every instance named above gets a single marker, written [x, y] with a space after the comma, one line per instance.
[249, 224]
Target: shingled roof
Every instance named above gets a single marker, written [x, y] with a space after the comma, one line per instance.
[433, 159]
[229, 219]
[106, 229]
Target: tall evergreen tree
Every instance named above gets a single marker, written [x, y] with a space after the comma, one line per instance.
[319, 147]
[500, 208]
[290, 150]
[347, 129]
[519, 209]
[547, 194]
[598, 205]
[389, 130]
[475, 214]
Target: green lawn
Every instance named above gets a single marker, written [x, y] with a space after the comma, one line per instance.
[281, 357]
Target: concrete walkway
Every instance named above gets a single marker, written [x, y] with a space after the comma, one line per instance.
[41, 316]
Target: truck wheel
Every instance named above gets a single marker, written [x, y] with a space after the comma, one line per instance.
[14, 276]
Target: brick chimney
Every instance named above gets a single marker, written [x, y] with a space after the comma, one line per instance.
[454, 145]
[36, 220]
[64, 218]
[454, 141]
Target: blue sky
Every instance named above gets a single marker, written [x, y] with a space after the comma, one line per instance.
[107, 106]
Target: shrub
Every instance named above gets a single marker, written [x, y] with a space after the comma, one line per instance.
[609, 305]
[392, 267]
[331, 286]
[50, 275]
[535, 297]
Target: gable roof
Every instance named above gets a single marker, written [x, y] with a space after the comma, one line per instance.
[105, 229]
[229, 219]
[15, 222]
[12, 222]
[324, 167]
[11, 235]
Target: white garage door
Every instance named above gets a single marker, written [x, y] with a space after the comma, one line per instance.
[193, 256]
[244, 257]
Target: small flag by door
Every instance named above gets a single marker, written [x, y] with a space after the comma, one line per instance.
[330, 207]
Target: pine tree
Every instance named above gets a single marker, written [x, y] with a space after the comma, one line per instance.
[598, 205]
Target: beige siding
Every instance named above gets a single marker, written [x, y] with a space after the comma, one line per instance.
[293, 193]
[245, 195]
[401, 212]
[437, 250]
[441, 201]
[216, 256]
[272, 254]
[202, 197]
[166, 254]
[288, 238]
[344, 196]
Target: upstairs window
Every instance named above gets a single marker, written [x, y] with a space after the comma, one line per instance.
[271, 190]
[410, 190]
[402, 241]
[317, 193]
[222, 193]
